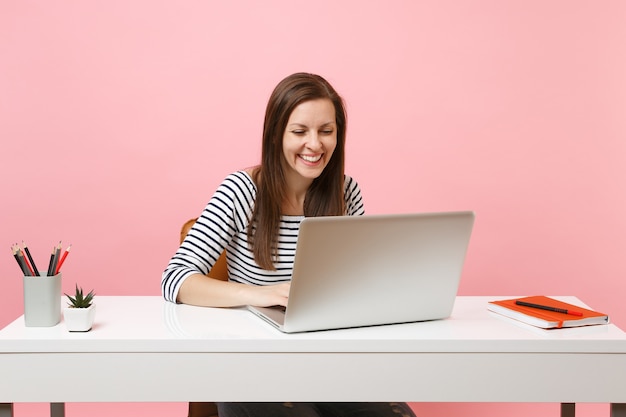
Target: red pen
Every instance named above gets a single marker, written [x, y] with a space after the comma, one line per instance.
[62, 259]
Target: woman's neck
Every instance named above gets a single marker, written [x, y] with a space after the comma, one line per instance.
[293, 206]
[295, 193]
[293, 202]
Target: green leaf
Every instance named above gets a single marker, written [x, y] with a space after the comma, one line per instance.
[79, 300]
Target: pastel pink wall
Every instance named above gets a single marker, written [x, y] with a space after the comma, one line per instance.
[119, 118]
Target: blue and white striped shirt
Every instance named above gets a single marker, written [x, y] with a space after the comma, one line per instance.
[223, 226]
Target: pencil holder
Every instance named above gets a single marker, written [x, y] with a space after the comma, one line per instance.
[42, 301]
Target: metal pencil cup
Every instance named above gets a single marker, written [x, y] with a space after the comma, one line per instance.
[42, 301]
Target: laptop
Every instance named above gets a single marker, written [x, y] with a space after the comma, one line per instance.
[355, 271]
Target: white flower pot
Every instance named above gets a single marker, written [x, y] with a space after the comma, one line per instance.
[79, 319]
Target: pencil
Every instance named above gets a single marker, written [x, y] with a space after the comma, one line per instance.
[51, 264]
[30, 258]
[20, 254]
[549, 308]
[19, 261]
[62, 259]
[57, 252]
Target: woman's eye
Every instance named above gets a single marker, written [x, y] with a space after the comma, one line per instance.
[327, 132]
[298, 132]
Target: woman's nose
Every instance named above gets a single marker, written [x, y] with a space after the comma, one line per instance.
[314, 141]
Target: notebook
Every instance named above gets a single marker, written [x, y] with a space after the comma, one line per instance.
[354, 271]
[547, 312]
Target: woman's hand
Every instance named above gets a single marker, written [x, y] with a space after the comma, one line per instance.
[270, 295]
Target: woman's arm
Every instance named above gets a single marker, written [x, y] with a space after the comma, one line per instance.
[201, 290]
[225, 214]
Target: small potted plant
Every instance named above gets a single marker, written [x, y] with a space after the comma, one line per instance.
[80, 311]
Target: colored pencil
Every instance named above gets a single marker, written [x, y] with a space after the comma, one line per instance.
[30, 258]
[67, 251]
[51, 264]
[19, 260]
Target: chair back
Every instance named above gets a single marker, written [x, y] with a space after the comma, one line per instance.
[220, 269]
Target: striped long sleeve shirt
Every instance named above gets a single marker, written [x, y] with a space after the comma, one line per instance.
[223, 226]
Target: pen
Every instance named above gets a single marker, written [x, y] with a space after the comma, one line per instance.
[62, 259]
[555, 309]
[30, 258]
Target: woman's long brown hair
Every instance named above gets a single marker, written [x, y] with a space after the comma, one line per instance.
[325, 195]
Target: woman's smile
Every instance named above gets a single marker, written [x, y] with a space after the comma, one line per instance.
[312, 159]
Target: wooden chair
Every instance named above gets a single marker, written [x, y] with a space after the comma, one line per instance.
[219, 271]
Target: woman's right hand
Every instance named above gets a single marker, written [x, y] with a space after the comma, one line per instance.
[270, 295]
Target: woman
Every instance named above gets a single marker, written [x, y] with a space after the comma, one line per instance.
[255, 216]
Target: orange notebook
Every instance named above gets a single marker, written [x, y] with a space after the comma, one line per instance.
[544, 312]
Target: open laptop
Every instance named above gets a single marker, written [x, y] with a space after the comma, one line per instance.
[353, 271]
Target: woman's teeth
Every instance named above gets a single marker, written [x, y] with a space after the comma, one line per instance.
[309, 158]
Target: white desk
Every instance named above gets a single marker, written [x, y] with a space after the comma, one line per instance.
[146, 350]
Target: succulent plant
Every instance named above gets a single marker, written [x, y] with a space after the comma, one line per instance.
[79, 300]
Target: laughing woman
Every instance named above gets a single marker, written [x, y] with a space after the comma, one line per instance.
[255, 215]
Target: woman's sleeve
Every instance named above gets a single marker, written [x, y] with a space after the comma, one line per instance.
[354, 200]
[226, 213]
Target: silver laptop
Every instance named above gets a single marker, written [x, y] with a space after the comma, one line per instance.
[353, 271]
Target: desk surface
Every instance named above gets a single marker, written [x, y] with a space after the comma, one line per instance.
[149, 324]
[145, 349]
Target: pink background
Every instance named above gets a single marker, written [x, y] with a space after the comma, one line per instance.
[119, 118]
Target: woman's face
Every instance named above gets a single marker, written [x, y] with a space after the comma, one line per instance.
[309, 139]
